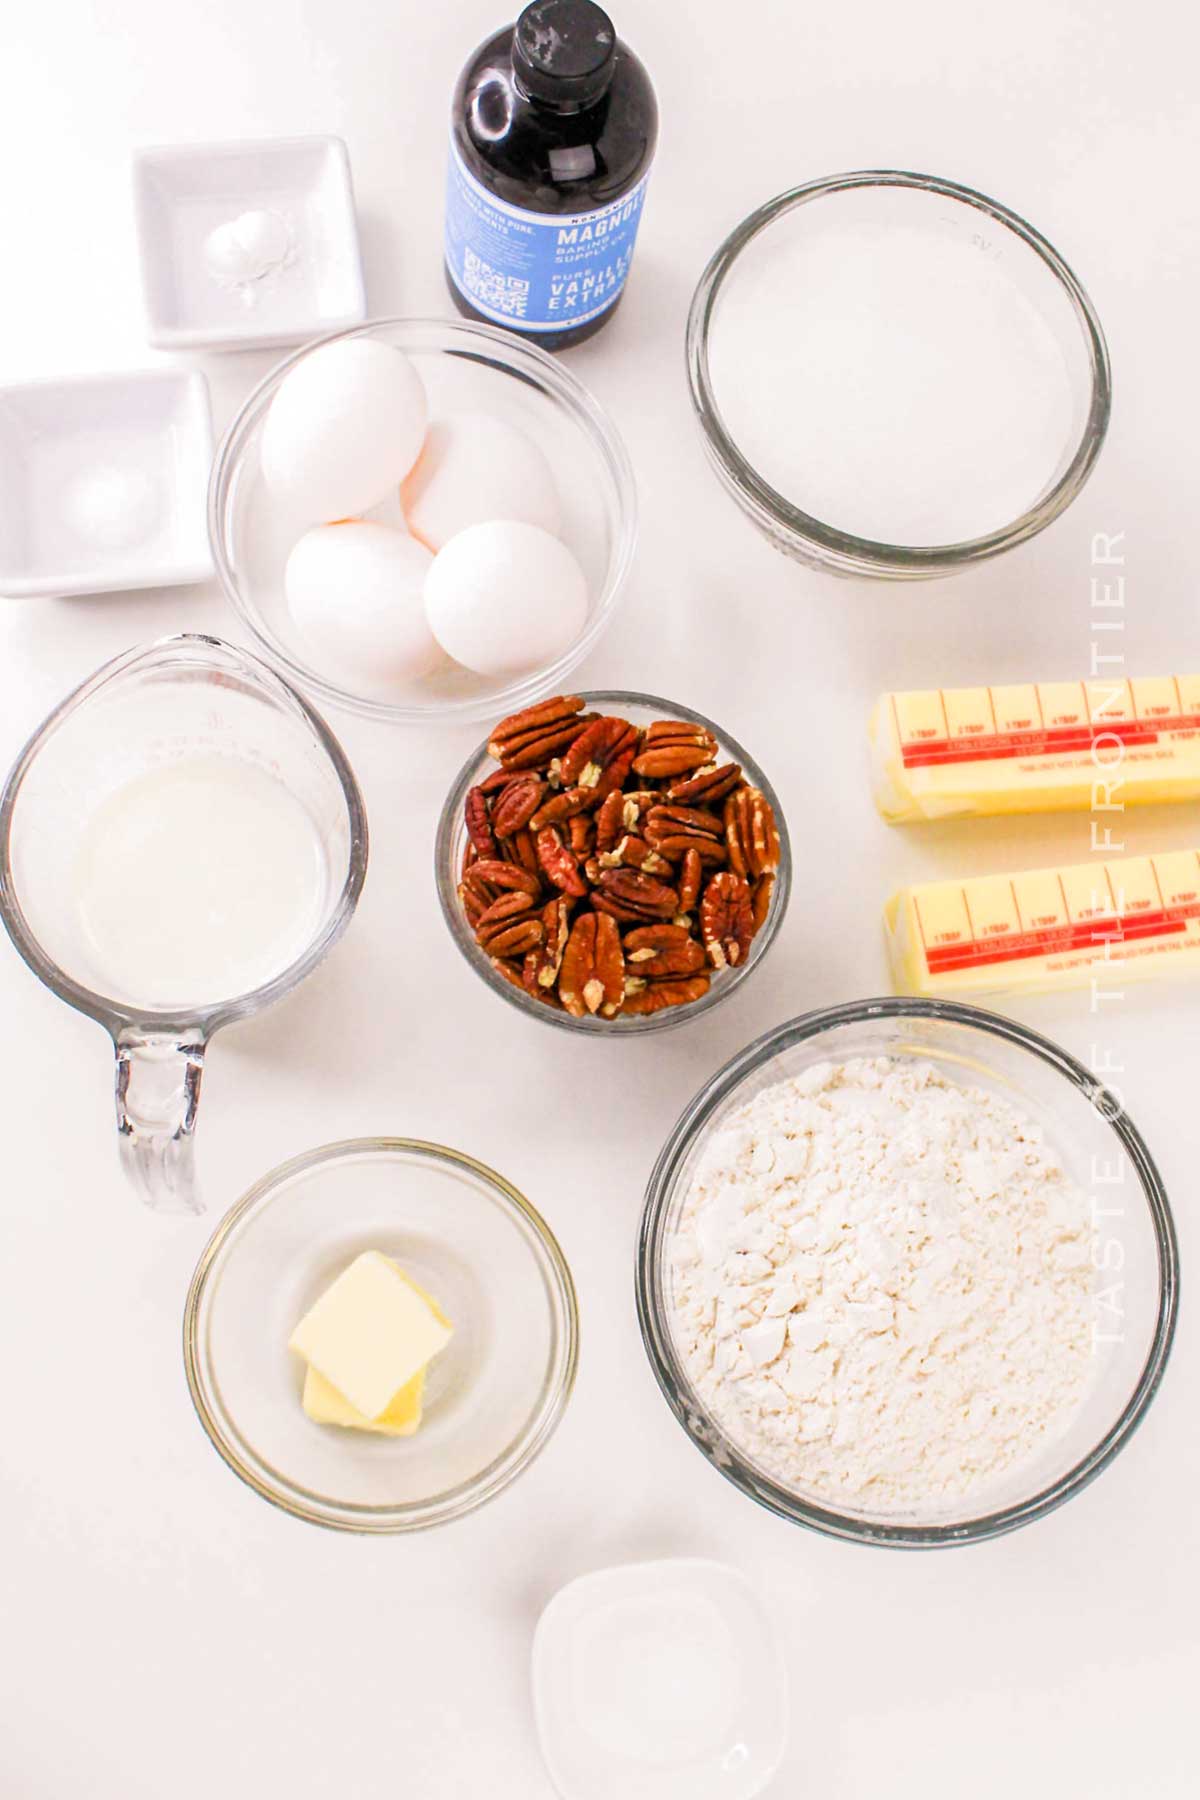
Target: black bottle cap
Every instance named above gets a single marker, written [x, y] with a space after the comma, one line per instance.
[564, 52]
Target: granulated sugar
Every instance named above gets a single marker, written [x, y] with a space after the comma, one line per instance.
[888, 378]
[883, 1285]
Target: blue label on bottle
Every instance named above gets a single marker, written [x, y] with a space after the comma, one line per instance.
[536, 271]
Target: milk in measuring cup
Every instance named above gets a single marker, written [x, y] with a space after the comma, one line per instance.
[197, 881]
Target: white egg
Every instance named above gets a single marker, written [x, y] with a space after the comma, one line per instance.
[354, 593]
[345, 425]
[474, 468]
[503, 597]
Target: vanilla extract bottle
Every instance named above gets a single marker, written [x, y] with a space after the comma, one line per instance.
[553, 129]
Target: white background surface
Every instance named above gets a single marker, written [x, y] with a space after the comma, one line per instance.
[166, 1633]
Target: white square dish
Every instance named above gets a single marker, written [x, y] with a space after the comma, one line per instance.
[659, 1681]
[104, 483]
[247, 244]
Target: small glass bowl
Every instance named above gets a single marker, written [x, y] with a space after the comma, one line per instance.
[493, 1396]
[945, 215]
[639, 709]
[463, 365]
[1084, 1122]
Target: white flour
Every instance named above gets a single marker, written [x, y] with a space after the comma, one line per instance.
[883, 1285]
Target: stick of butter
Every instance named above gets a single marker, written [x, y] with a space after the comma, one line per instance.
[1047, 928]
[369, 1333]
[1041, 747]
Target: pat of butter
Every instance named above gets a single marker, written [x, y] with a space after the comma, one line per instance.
[1036, 747]
[401, 1417]
[1128, 919]
[370, 1333]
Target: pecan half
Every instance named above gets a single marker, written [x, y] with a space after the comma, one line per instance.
[610, 821]
[676, 821]
[691, 876]
[561, 806]
[543, 962]
[516, 803]
[600, 757]
[537, 746]
[628, 894]
[478, 823]
[503, 910]
[660, 994]
[675, 959]
[674, 747]
[673, 830]
[726, 919]
[706, 786]
[508, 927]
[592, 978]
[503, 875]
[512, 939]
[559, 865]
[654, 937]
[519, 728]
[751, 834]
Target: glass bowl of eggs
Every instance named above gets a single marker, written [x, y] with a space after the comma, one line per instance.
[423, 520]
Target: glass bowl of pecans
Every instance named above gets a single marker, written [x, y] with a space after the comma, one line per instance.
[612, 862]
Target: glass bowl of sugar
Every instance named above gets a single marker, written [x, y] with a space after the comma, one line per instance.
[896, 376]
[907, 1273]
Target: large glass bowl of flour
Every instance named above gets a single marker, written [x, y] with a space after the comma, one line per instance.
[895, 375]
[853, 1462]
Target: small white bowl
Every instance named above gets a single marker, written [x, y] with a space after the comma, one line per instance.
[185, 192]
[103, 481]
[660, 1680]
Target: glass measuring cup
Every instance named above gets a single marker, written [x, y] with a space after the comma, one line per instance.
[201, 735]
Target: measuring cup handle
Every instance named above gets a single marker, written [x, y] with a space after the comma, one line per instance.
[158, 1090]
